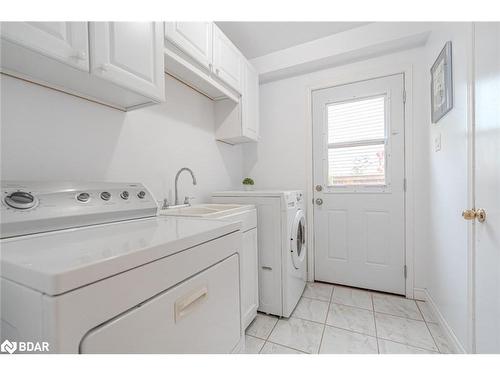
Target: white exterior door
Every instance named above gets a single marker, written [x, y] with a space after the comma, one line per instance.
[487, 187]
[194, 38]
[67, 42]
[359, 215]
[129, 54]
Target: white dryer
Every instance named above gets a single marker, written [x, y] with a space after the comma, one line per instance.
[282, 246]
[89, 268]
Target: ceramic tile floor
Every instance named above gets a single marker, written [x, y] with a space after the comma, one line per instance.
[340, 320]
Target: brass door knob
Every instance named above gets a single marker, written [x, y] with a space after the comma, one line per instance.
[469, 214]
[478, 214]
[481, 215]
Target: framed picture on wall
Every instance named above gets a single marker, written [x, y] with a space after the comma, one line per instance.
[442, 84]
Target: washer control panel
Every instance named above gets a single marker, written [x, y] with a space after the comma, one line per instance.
[34, 207]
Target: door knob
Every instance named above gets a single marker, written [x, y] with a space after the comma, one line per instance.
[469, 214]
[478, 214]
[481, 215]
[319, 187]
[319, 201]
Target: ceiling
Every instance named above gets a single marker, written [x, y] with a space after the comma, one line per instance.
[256, 39]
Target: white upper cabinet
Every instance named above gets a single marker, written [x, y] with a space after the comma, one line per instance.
[239, 122]
[250, 102]
[129, 54]
[193, 38]
[118, 64]
[227, 60]
[66, 42]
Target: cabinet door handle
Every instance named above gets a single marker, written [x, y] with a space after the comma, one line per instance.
[183, 304]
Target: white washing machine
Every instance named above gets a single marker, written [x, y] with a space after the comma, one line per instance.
[282, 246]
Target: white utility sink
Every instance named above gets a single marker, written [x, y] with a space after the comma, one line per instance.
[205, 210]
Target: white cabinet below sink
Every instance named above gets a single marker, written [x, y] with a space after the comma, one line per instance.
[249, 277]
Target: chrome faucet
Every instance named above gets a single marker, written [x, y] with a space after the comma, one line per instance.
[177, 179]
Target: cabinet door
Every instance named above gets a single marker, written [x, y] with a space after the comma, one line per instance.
[227, 60]
[194, 38]
[129, 54]
[250, 102]
[249, 277]
[67, 42]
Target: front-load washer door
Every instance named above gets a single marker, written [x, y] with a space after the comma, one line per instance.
[298, 240]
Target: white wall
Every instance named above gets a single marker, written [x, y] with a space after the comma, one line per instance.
[48, 135]
[447, 261]
[280, 159]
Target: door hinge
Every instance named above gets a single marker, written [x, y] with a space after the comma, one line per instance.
[404, 96]
[405, 271]
[404, 184]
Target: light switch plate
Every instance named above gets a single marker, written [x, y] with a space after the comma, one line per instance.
[437, 142]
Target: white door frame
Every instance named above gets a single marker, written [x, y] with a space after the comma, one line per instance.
[471, 233]
[363, 75]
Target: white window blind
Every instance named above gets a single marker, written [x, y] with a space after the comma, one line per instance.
[356, 142]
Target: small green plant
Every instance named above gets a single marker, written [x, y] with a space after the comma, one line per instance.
[248, 181]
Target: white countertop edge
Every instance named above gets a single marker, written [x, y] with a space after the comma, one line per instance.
[75, 278]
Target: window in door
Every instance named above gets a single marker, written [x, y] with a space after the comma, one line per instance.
[357, 142]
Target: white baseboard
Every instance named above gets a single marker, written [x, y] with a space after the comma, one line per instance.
[420, 294]
[423, 295]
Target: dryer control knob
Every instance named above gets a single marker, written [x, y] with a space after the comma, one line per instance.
[20, 200]
[105, 196]
[83, 197]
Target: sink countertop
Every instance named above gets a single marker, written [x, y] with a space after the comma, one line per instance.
[206, 210]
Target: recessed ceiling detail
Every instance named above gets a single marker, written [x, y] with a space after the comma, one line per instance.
[256, 39]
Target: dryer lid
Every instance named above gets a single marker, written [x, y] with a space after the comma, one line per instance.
[56, 262]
